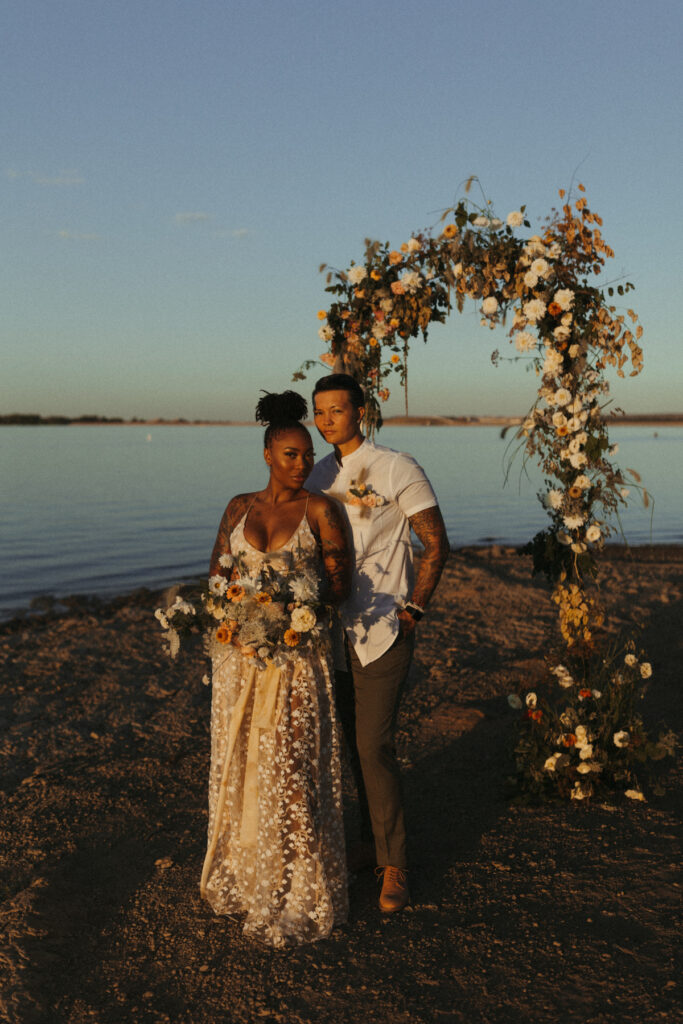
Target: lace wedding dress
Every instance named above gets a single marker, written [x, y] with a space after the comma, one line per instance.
[276, 838]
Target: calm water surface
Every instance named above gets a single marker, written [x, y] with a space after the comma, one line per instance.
[106, 509]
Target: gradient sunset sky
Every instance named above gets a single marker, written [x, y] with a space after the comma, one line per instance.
[174, 171]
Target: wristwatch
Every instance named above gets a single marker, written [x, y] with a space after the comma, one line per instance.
[414, 610]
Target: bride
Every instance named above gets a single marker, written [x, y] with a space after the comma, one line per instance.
[276, 842]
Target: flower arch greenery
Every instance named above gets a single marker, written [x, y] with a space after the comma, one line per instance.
[543, 284]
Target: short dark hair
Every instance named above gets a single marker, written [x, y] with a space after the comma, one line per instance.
[341, 382]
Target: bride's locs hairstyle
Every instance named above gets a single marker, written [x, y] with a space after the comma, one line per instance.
[280, 412]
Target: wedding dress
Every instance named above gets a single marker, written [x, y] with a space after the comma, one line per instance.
[276, 839]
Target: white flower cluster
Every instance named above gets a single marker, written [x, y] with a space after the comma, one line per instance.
[356, 274]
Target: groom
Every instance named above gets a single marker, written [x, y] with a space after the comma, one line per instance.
[383, 494]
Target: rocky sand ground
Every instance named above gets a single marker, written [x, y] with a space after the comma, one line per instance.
[559, 913]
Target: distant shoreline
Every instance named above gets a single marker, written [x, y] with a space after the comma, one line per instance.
[30, 420]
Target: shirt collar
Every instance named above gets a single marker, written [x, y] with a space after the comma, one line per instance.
[361, 450]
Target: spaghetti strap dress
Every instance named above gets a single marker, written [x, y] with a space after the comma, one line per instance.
[276, 839]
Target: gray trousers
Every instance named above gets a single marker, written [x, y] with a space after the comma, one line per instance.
[368, 698]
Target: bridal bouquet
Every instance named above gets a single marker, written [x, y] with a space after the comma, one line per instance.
[272, 616]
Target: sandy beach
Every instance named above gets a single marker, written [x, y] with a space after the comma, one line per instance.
[520, 914]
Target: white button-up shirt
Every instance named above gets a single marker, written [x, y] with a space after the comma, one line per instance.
[393, 487]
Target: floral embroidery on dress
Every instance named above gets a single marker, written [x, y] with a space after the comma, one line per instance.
[276, 838]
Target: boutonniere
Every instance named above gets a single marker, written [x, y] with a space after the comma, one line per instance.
[364, 494]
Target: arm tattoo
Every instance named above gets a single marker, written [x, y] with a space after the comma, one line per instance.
[231, 517]
[335, 553]
[431, 531]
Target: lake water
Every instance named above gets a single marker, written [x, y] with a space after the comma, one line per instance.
[103, 510]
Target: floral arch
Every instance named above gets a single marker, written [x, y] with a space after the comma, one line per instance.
[544, 285]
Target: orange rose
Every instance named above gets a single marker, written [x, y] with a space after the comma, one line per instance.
[536, 715]
[450, 231]
[404, 247]
[379, 315]
[395, 257]
[322, 314]
[397, 288]
[569, 739]
[555, 309]
[585, 693]
[394, 322]
[373, 342]
[396, 359]
[345, 314]
[292, 638]
[375, 275]
[359, 293]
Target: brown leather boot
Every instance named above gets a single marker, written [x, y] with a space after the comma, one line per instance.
[394, 895]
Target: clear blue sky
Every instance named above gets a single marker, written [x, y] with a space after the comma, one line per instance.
[176, 170]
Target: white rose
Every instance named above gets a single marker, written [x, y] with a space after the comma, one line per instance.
[540, 267]
[514, 702]
[634, 794]
[525, 342]
[593, 533]
[530, 279]
[562, 333]
[496, 223]
[457, 269]
[303, 619]
[551, 365]
[413, 245]
[621, 739]
[515, 219]
[646, 670]
[586, 751]
[583, 482]
[357, 274]
[562, 396]
[578, 460]
[564, 298]
[481, 222]
[531, 700]
[574, 351]
[559, 419]
[534, 310]
[489, 306]
[564, 538]
[326, 333]
[411, 280]
[551, 763]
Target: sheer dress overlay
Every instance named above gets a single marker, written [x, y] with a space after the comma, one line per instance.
[275, 839]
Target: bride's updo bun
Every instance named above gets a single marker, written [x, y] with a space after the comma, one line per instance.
[281, 412]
